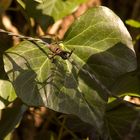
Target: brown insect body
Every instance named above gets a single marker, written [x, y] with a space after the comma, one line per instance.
[56, 50]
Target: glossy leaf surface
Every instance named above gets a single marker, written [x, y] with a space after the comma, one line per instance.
[103, 52]
[103, 44]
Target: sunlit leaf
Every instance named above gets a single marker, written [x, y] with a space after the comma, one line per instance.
[22, 4]
[7, 93]
[54, 8]
[39, 1]
[8, 137]
[103, 51]
[59, 8]
[133, 23]
[101, 43]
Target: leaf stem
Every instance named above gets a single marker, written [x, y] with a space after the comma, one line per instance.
[64, 127]
[61, 129]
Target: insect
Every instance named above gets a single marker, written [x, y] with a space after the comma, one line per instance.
[57, 51]
[53, 47]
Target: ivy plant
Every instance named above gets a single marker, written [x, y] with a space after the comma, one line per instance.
[89, 84]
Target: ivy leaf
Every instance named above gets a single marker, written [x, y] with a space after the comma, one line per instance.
[10, 117]
[21, 3]
[128, 84]
[39, 82]
[8, 137]
[102, 43]
[103, 52]
[123, 122]
[133, 23]
[45, 12]
[59, 8]
[7, 93]
[44, 20]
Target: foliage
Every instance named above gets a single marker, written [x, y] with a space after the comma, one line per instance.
[7, 93]
[43, 10]
[133, 23]
[10, 118]
[102, 67]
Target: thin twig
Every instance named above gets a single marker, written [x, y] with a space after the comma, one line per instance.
[24, 37]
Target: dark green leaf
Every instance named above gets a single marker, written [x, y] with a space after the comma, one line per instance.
[9, 118]
[7, 93]
[38, 81]
[59, 8]
[4, 45]
[123, 122]
[103, 52]
[44, 20]
[46, 11]
[128, 84]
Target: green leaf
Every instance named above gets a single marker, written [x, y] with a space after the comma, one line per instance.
[55, 8]
[122, 122]
[22, 4]
[4, 45]
[138, 37]
[44, 20]
[8, 137]
[7, 93]
[9, 118]
[128, 84]
[39, 1]
[103, 52]
[133, 23]
[102, 44]
[39, 82]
